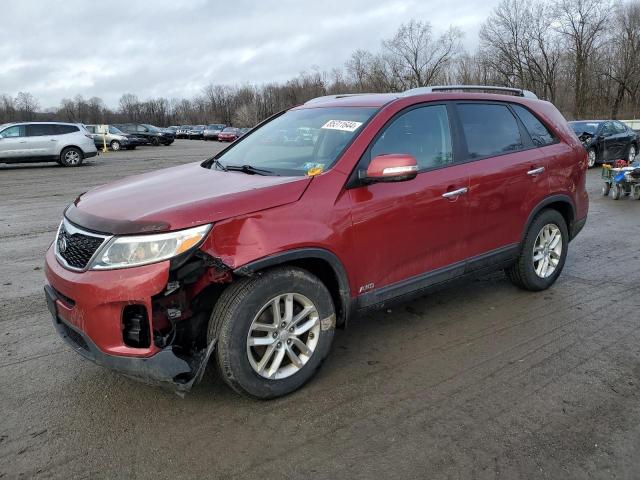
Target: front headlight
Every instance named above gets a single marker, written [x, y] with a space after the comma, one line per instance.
[131, 251]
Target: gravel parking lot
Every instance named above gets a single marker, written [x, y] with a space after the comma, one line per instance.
[480, 380]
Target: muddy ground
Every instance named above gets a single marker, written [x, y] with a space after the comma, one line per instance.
[480, 380]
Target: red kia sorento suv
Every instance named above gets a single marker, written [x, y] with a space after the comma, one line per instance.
[255, 256]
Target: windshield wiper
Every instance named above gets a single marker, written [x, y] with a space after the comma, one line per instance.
[249, 169]
[219, 164]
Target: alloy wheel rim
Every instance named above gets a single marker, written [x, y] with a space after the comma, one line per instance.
[632, 153]
[72, 157]
[547, 250]
[115, 146]
[283, 336]
[592, 158]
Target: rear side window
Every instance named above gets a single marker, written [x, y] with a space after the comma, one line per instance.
[422, 132]
[489, 129]
[62, 129]
[40, 130]
[540, 135]
[13, 132]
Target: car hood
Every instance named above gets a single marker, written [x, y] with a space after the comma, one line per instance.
[180, 197]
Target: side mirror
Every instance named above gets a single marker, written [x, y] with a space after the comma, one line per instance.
[394, 167]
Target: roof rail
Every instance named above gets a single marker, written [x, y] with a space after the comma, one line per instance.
[519, 92]
[340, 95]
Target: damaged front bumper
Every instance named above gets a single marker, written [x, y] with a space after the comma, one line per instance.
[164, 368]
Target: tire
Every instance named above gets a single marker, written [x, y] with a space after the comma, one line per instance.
[616, 192]
[249, 301]
[71, 157]
[524, 272]
[635, 193]
[605, 189]
[632, 153]
[154, 141]
[115, 145]
[591, 158]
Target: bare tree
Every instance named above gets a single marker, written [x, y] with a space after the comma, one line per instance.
[416, 57]
[26, 105]
[583, 23]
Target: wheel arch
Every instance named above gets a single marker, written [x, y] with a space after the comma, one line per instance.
[563, 204]
[323, 263]
[67, 147]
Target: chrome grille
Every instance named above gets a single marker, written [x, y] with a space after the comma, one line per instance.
[75, 247]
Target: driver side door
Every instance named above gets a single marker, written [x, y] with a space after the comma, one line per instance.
[411, 234]
[13, 144]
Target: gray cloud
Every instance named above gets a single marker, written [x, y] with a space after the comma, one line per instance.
[174, 48]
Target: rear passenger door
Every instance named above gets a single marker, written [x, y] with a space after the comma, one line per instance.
[41, 140]
[508, 174]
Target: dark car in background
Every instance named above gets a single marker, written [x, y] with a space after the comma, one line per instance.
[212, 131]
[243, 131]
[606, 140]
[196, 132]
[229, 134]
[154, 135]
[183, 131]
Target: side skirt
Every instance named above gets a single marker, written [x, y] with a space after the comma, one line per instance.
[423, 283]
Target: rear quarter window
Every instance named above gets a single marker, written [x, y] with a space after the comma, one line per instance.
[489, 129]
[64, 129]
[540, 135]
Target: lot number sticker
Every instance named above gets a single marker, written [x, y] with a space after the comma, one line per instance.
[344, 125]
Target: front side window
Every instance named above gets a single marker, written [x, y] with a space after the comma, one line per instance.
[280, 147]
[13, 132]
[540, 135]
[489, 129]
[620, 127]
[422, 132]
[607, 129]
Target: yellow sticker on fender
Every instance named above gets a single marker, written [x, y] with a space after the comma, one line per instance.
[343, 125]
[314, 171]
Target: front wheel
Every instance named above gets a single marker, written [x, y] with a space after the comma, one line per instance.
[273, 331]
[616, 192]
[606, 187]
[591, 155]
[154, 141]
[115, 145]
[71, 157]
[632, 153]
[544, 251]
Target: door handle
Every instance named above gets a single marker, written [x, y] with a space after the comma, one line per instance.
[23, 141]
[455, 193]
[536, 171]
[53, 140]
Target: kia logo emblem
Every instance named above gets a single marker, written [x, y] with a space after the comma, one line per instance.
[62, 244]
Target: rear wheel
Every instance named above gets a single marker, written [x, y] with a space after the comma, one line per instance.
[273, 331]
[544, 251]
[115, 145]
[71, 157]
[605, 188]
[632, 153]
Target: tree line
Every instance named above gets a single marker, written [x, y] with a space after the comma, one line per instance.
[582, 55]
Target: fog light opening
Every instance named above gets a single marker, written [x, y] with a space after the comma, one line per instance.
[135, 326]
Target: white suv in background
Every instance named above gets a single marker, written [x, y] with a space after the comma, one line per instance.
[66, 143]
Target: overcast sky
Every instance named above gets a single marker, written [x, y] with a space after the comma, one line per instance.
[174, 48]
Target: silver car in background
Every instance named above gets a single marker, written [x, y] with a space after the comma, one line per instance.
[112, 137]
[211, 131]
[66, 143]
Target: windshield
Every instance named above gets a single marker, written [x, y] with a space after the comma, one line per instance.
[115, 131]
[299, 140]
[581, 127]
[215, 127]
